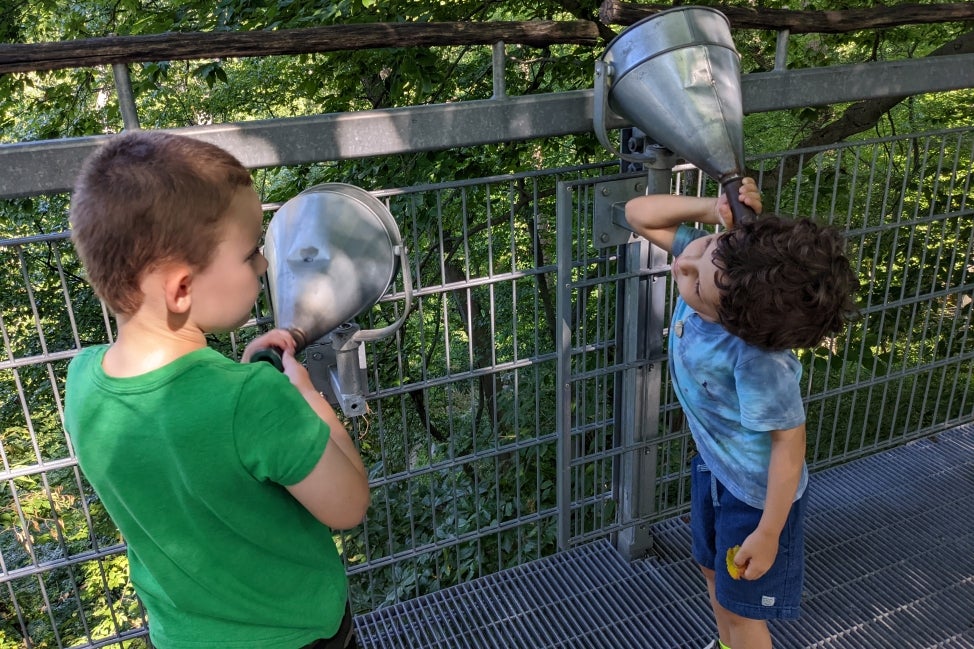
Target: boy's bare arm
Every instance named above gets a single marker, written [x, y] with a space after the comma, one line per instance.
[336, 491]
[760, 548]
[657, 216]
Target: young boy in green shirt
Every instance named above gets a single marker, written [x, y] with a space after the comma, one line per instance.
[225, 479]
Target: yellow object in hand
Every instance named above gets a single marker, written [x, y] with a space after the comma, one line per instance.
[732, 569]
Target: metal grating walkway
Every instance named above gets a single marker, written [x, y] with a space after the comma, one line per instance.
[890, 542]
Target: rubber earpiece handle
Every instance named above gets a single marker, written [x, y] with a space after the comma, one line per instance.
[272, 355]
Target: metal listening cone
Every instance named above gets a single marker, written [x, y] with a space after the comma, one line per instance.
[331, 252]
[676, 76]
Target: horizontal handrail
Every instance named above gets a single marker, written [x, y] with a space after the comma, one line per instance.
[50, 166]
[179, 46]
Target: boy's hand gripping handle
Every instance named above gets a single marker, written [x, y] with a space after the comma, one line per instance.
[272, 355]
[742, 213]
[275, 355]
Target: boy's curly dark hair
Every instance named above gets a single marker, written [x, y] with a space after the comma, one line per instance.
[785, 284]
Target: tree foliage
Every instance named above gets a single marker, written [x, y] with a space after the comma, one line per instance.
[456, 236]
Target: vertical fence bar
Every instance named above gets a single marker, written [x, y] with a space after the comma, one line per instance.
[498, 59]
[781, 50]
[564, 213]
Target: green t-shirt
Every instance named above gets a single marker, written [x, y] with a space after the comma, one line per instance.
[189, 461]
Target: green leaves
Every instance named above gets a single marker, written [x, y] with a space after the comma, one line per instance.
[211, 73]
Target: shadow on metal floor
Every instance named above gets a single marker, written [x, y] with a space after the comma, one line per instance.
[890, 564]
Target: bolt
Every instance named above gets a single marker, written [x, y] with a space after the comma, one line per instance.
[605, 191]
[604, 238]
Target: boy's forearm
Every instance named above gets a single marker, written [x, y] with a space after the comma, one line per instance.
[784, 474]
[657, 216]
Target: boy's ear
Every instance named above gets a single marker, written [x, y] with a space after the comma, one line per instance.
[178, 288]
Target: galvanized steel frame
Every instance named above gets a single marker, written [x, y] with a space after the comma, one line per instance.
[618, 444]
[50, 166]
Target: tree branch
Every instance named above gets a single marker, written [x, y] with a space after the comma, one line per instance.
[617, 12]
[860, 116]
[175, 46]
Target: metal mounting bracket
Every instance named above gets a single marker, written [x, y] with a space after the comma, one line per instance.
[610, 227]
[336, 365]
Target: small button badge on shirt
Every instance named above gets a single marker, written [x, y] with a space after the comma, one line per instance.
[678, 327]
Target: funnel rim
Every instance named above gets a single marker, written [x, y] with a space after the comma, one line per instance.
[676, 48]
[373, 204]
[349, 200]
[671, 10]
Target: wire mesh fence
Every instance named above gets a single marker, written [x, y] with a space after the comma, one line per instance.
[500, 415]
[462, 431]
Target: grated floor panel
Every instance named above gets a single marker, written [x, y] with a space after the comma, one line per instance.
[890, 564]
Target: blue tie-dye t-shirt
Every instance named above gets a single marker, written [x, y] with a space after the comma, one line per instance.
[733, 395]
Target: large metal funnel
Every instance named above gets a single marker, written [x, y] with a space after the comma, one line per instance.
[332, 252]
[676, 76]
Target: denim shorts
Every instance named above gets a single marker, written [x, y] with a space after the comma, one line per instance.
[719, 521]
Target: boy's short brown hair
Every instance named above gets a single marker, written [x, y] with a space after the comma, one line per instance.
[146, 198]
[785, 284]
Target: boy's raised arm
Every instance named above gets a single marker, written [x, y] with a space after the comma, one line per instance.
[657, 216]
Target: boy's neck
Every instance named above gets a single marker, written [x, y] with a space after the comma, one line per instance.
[142, 347]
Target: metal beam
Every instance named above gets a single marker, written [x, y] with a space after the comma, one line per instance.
[50, 166]
[768, 91]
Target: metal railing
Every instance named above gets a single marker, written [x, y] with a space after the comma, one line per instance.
[524, 406]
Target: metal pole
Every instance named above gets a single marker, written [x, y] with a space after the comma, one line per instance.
[126, 100]
[637, 401]
[564, 211]
[781, 51]
[498, 61]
